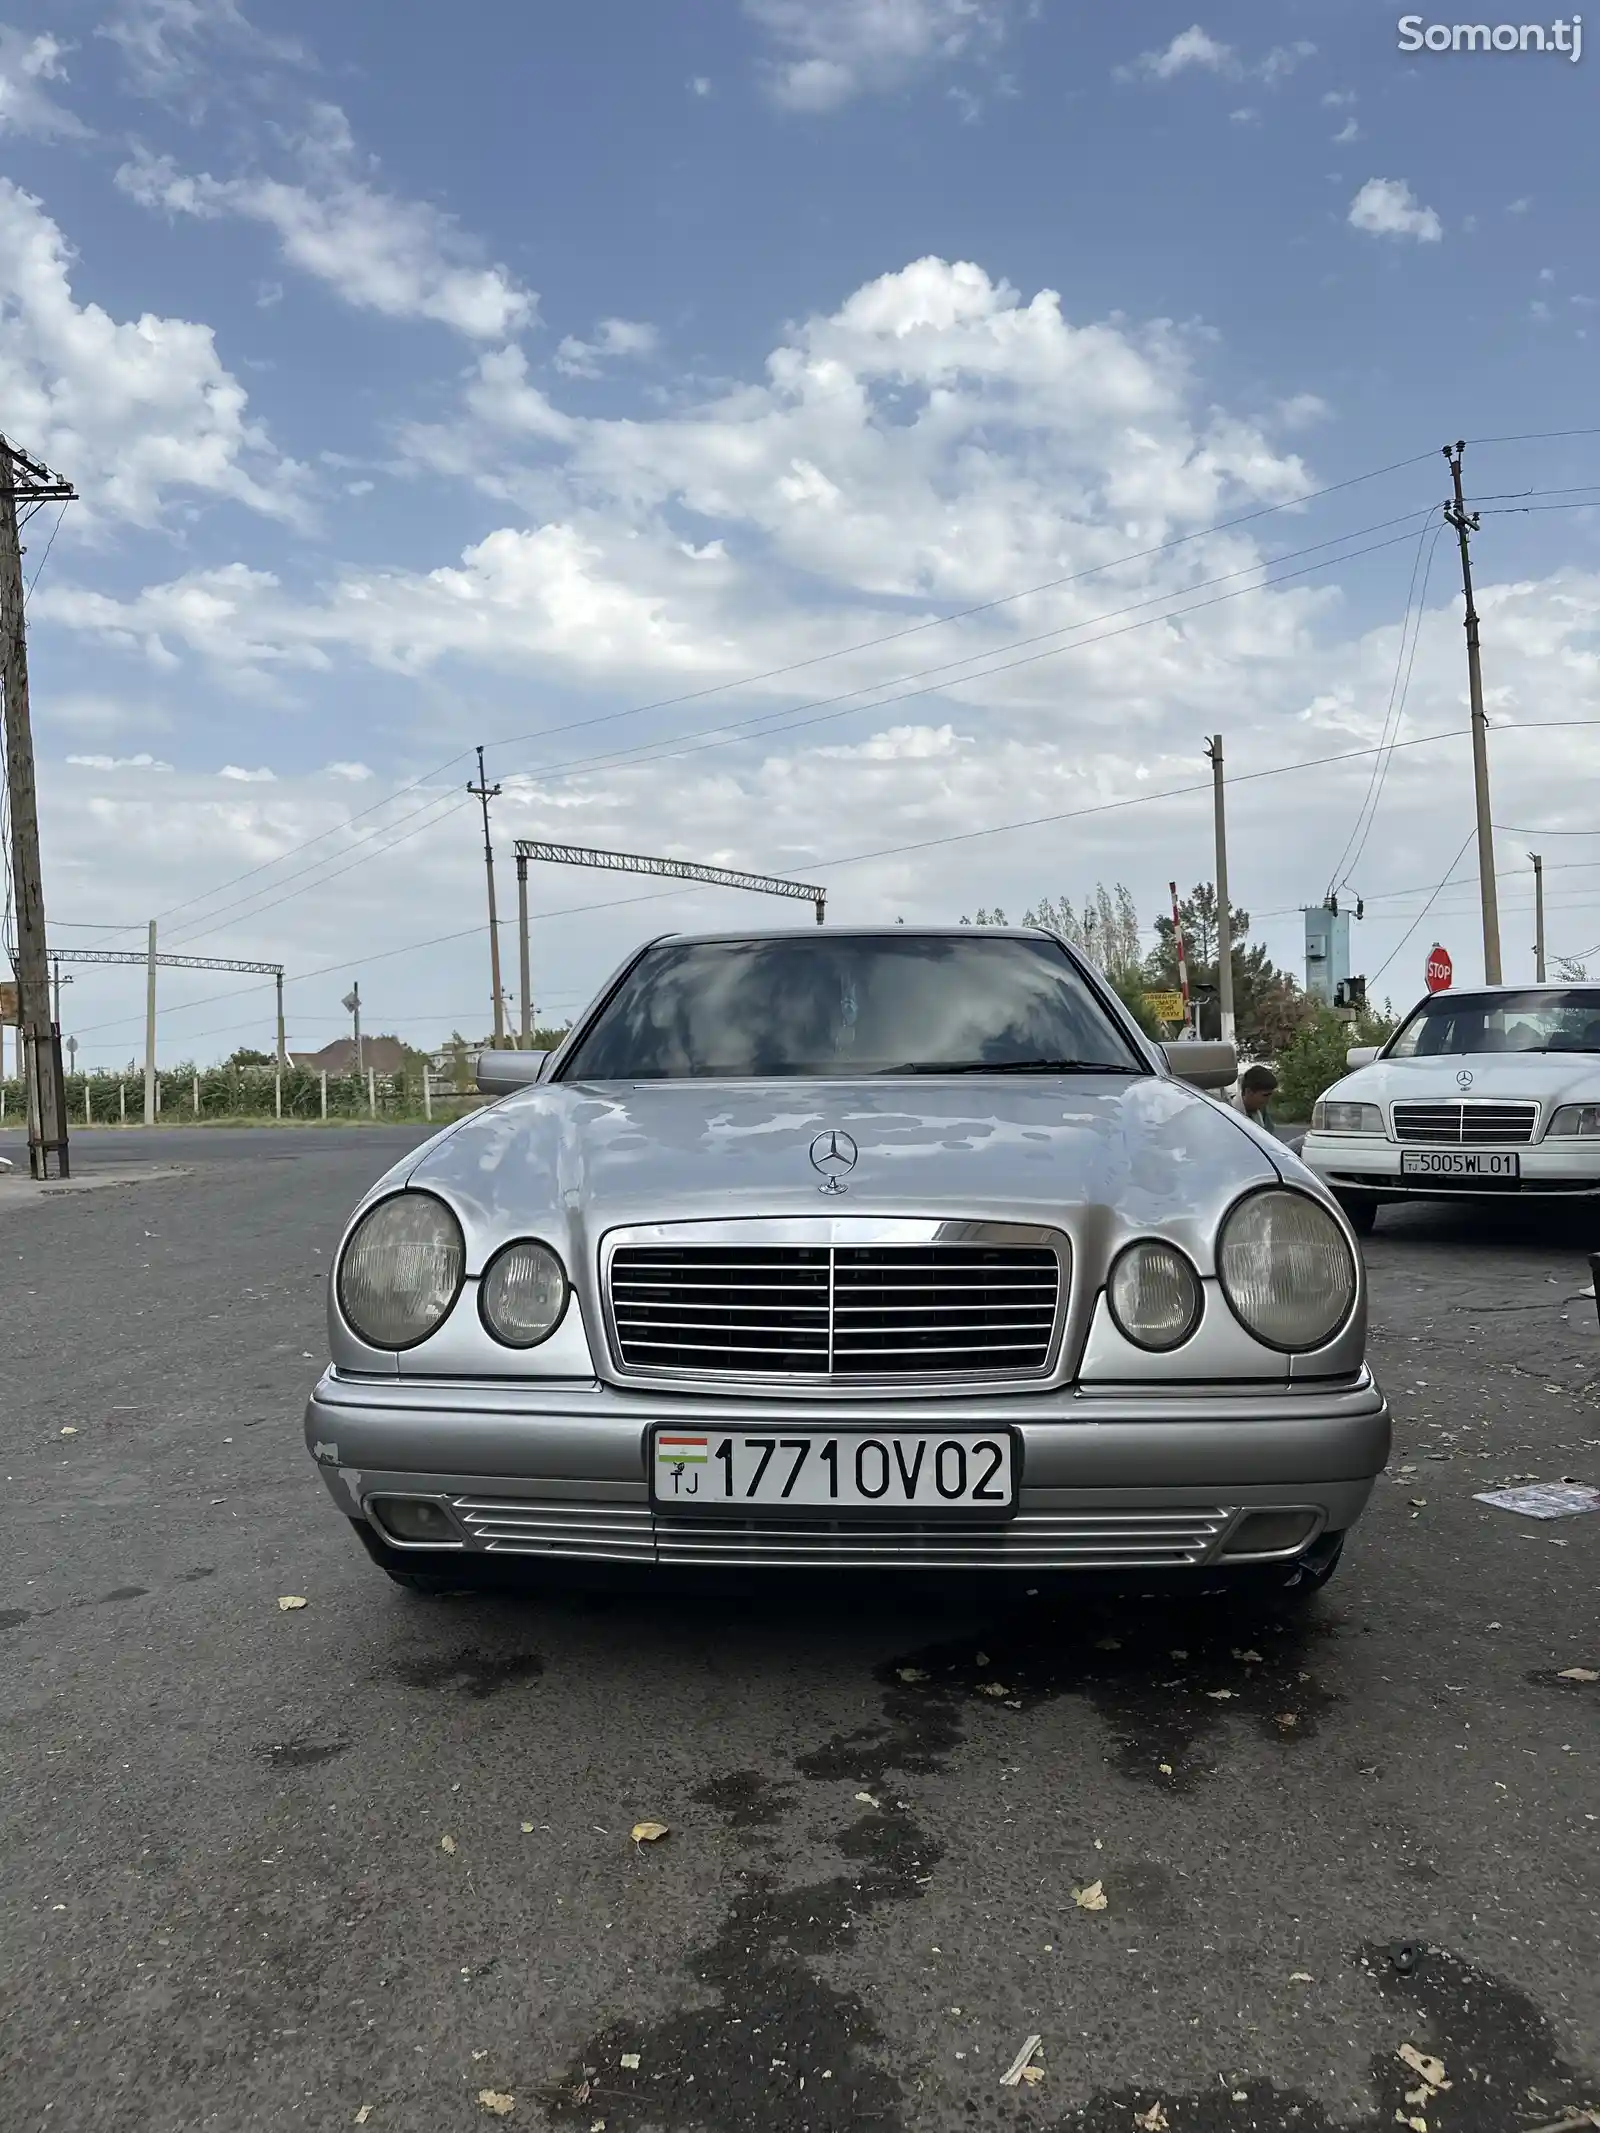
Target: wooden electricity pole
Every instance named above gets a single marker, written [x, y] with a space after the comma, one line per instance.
[1466, 522]
[24, 486]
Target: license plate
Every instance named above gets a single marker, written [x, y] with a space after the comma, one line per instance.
[844, 1470]
[1457, 1163]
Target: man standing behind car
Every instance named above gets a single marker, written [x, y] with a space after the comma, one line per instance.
[1257, 1086]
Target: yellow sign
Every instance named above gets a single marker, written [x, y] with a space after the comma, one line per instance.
[1165, 1006]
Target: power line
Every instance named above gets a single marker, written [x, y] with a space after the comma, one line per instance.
[1427, 907]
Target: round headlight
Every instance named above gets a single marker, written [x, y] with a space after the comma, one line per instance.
[1154, 1295]
[1286, 1269]
[401, 1270]
[523, 1294]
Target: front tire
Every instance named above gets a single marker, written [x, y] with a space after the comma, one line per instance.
[1360, 1211]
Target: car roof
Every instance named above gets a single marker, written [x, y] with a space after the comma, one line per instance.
[880, 931]
[1476, 992]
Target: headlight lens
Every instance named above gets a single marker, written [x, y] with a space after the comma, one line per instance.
[1574, 1119]
[1286, 1269]
[1154, 1295]
[523, 1294]
[1345, 1118]
[401, 1270]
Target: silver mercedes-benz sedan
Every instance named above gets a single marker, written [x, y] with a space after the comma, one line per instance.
[864, 1249]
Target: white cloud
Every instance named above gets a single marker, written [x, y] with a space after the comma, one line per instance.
[1247, 115]
[1301, 410]
[1334, 98]
[379, 252]
[1349, 131]
[836, 50]
[1519, 207]
[26, 63]
[1387, 207]
[247, 777]
[699, 85]
[133, 412]
[1284, 60]
[1192, 49]
[352, 773]
[615, 339]
[169, 47]
[118, 762]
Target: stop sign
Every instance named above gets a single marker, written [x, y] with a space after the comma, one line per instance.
[1440, 969]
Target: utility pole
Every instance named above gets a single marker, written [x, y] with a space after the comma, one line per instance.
[1224, 910]
[26, 483]
[1183, 960]
[56, 983]
[1466, 523]
[1538, 918]
[150, 1030]
[283, 1048]
[351, 1003]
[524, 955]
[485, 792]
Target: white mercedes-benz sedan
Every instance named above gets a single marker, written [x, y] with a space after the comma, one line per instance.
[1487, 1094]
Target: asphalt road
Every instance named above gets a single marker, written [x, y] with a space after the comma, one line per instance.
[228, 1898]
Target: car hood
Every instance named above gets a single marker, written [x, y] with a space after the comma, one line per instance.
[568, 1162]
[1546, 1078]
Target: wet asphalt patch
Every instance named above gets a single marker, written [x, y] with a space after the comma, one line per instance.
[1469, 2054]
[1167, 1682]
[303, 1754]
[476, 1674]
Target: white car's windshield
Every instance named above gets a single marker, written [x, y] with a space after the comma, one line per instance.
[1545, 1021]
[847, 1004]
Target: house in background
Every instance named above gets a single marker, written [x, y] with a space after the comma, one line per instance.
[382, 1055]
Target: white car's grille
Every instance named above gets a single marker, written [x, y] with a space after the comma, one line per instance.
[1465, 1125]
[836, 1313]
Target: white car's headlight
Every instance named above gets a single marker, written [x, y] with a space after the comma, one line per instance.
[1286, 1269]
[523, 1294]
[1339, 1117]
[1574, 1119]
[1154, 1296]
[401, 1270]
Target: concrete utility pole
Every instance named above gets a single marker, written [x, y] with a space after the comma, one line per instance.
[1466, 523]
[1538, 918]
[1224, 911]
[56, 983]
[25, 483]
[283, 1043]
[485, 792]
[524, 954]
[150, 1030]
[1183, 960]
[351, 1003]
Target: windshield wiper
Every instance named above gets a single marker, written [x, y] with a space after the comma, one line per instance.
[1012, 1066]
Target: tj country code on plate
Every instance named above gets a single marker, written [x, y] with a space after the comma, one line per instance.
[890, 1470]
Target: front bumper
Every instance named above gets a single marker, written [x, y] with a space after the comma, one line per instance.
[1565, 1168]
[1110, 1479]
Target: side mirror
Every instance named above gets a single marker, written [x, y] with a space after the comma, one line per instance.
[1203, 1066]
[502, 1073]
[1360, 1055]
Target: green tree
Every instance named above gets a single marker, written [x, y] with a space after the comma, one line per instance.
[245, 1057]
[1314, 1058]
[1105, 930]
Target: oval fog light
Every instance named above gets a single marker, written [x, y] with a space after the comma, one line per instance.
[523, 1294]
[416, 1520]
[1154, 1296]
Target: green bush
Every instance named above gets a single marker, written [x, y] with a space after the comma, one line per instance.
[1314, 1058]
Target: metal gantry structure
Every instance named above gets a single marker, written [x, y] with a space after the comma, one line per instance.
[588, 855]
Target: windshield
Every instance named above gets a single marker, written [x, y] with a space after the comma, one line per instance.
[844, 1004]
[1547, 1021]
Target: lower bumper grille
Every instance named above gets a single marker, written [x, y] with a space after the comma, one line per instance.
[1034, 1540]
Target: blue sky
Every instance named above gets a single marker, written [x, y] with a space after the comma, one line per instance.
[432, 388]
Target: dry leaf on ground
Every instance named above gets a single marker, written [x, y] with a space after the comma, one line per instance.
[1578, 1673]
[1153, 2121]
[363, 2114]
[447, 1844]
[1431, 2070]
[1223, 1695]
[910, 1673]
[498, 2101]
[289, 1602]
[1093, 1898]
[631, 2061]
[650, 1832]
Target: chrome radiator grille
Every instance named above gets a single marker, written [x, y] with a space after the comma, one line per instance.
[836, 1312]
[1465, 1125]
